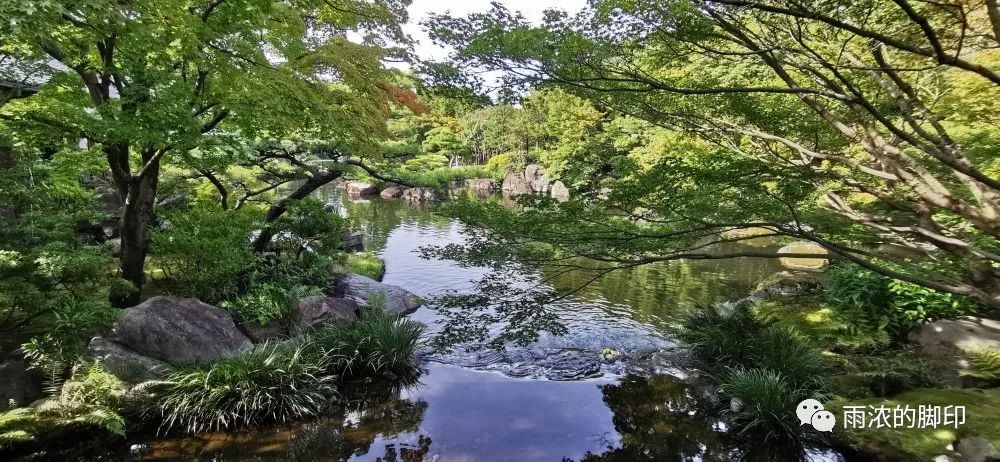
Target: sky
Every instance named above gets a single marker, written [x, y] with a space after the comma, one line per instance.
[421, 9]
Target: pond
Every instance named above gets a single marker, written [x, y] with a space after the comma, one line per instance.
[552, 400]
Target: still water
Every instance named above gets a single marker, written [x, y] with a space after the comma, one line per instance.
[551, 400]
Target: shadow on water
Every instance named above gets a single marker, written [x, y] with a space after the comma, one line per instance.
[474, 405]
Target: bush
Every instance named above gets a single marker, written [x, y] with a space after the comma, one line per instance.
[878, 308]
[271, 383]
[984, 364]
[267, 302]
[500, 164]
[205, 252]
[891, 375]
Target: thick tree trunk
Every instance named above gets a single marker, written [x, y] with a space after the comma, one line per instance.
[137, 218]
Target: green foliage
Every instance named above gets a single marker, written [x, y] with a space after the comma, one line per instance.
[984, 364]
[205, 252]
[271, 383]
[366, 264]
[379, 343]
[285, 381]
[500, 164]
[875, 307]
[762, 404]
[764, 370]
[90, 397]
[267, 302]
[891, 375]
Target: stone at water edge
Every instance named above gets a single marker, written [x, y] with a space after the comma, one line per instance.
[803, 247]
[535, 175]
[421, 194]
[127, 365]
[559, 191]
[514, 184]
[392, 192]
[481, 184]
[358, 188]
[359, 288]
[352, 240]
[180, 330]
[320, 310]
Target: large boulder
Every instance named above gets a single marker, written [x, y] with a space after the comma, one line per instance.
[362, 289]
[514, 184]
[392, 192]
[559, 191]
[313, 312]
[358, 188]
[421, 194]
[18, 382]
[481, 185]
[274, 331]
[950, 341]
[352, 240]
[124, 363]
[803, 247]
[535, 175]
[180, 330]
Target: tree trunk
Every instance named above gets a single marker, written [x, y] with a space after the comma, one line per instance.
[277, 210]
[137, 217]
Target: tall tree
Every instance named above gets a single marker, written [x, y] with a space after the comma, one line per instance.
[147, 81]
[847, 123]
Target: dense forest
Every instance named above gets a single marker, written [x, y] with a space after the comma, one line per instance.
[169, 264]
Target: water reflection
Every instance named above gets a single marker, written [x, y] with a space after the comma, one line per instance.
[462, 409]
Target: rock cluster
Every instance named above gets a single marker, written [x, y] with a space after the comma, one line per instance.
[168, 331]
[533, 180]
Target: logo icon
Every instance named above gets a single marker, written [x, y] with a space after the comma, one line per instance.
[811, 411]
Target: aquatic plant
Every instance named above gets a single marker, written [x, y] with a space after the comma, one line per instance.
[379, 343]
[272, 382]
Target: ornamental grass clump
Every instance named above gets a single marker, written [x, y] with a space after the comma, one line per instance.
[377, 344]
[271, 383]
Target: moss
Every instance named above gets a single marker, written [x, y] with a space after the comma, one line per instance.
[982, 419]
[366, 264]
[804, 314]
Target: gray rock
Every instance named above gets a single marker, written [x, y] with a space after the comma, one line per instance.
[535, 175]
[124, 363]
[515, 184]
[803, 247]
[313, 312]
[357, 188]
[18, 382]
[361, 289]
[559, 191]
[352, 240]
[275, 330]
[392, 192]
[976, 449]
[481, 184]
[180, 330]
[949, 341]
[417, 195]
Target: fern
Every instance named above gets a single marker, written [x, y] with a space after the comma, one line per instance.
[984, 364]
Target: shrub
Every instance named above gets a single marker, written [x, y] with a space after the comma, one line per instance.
[267, 302]
[874, 307]
[205, 252]
[500, 164]
[272, 382]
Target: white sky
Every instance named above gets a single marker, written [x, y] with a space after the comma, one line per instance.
[420, 9]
